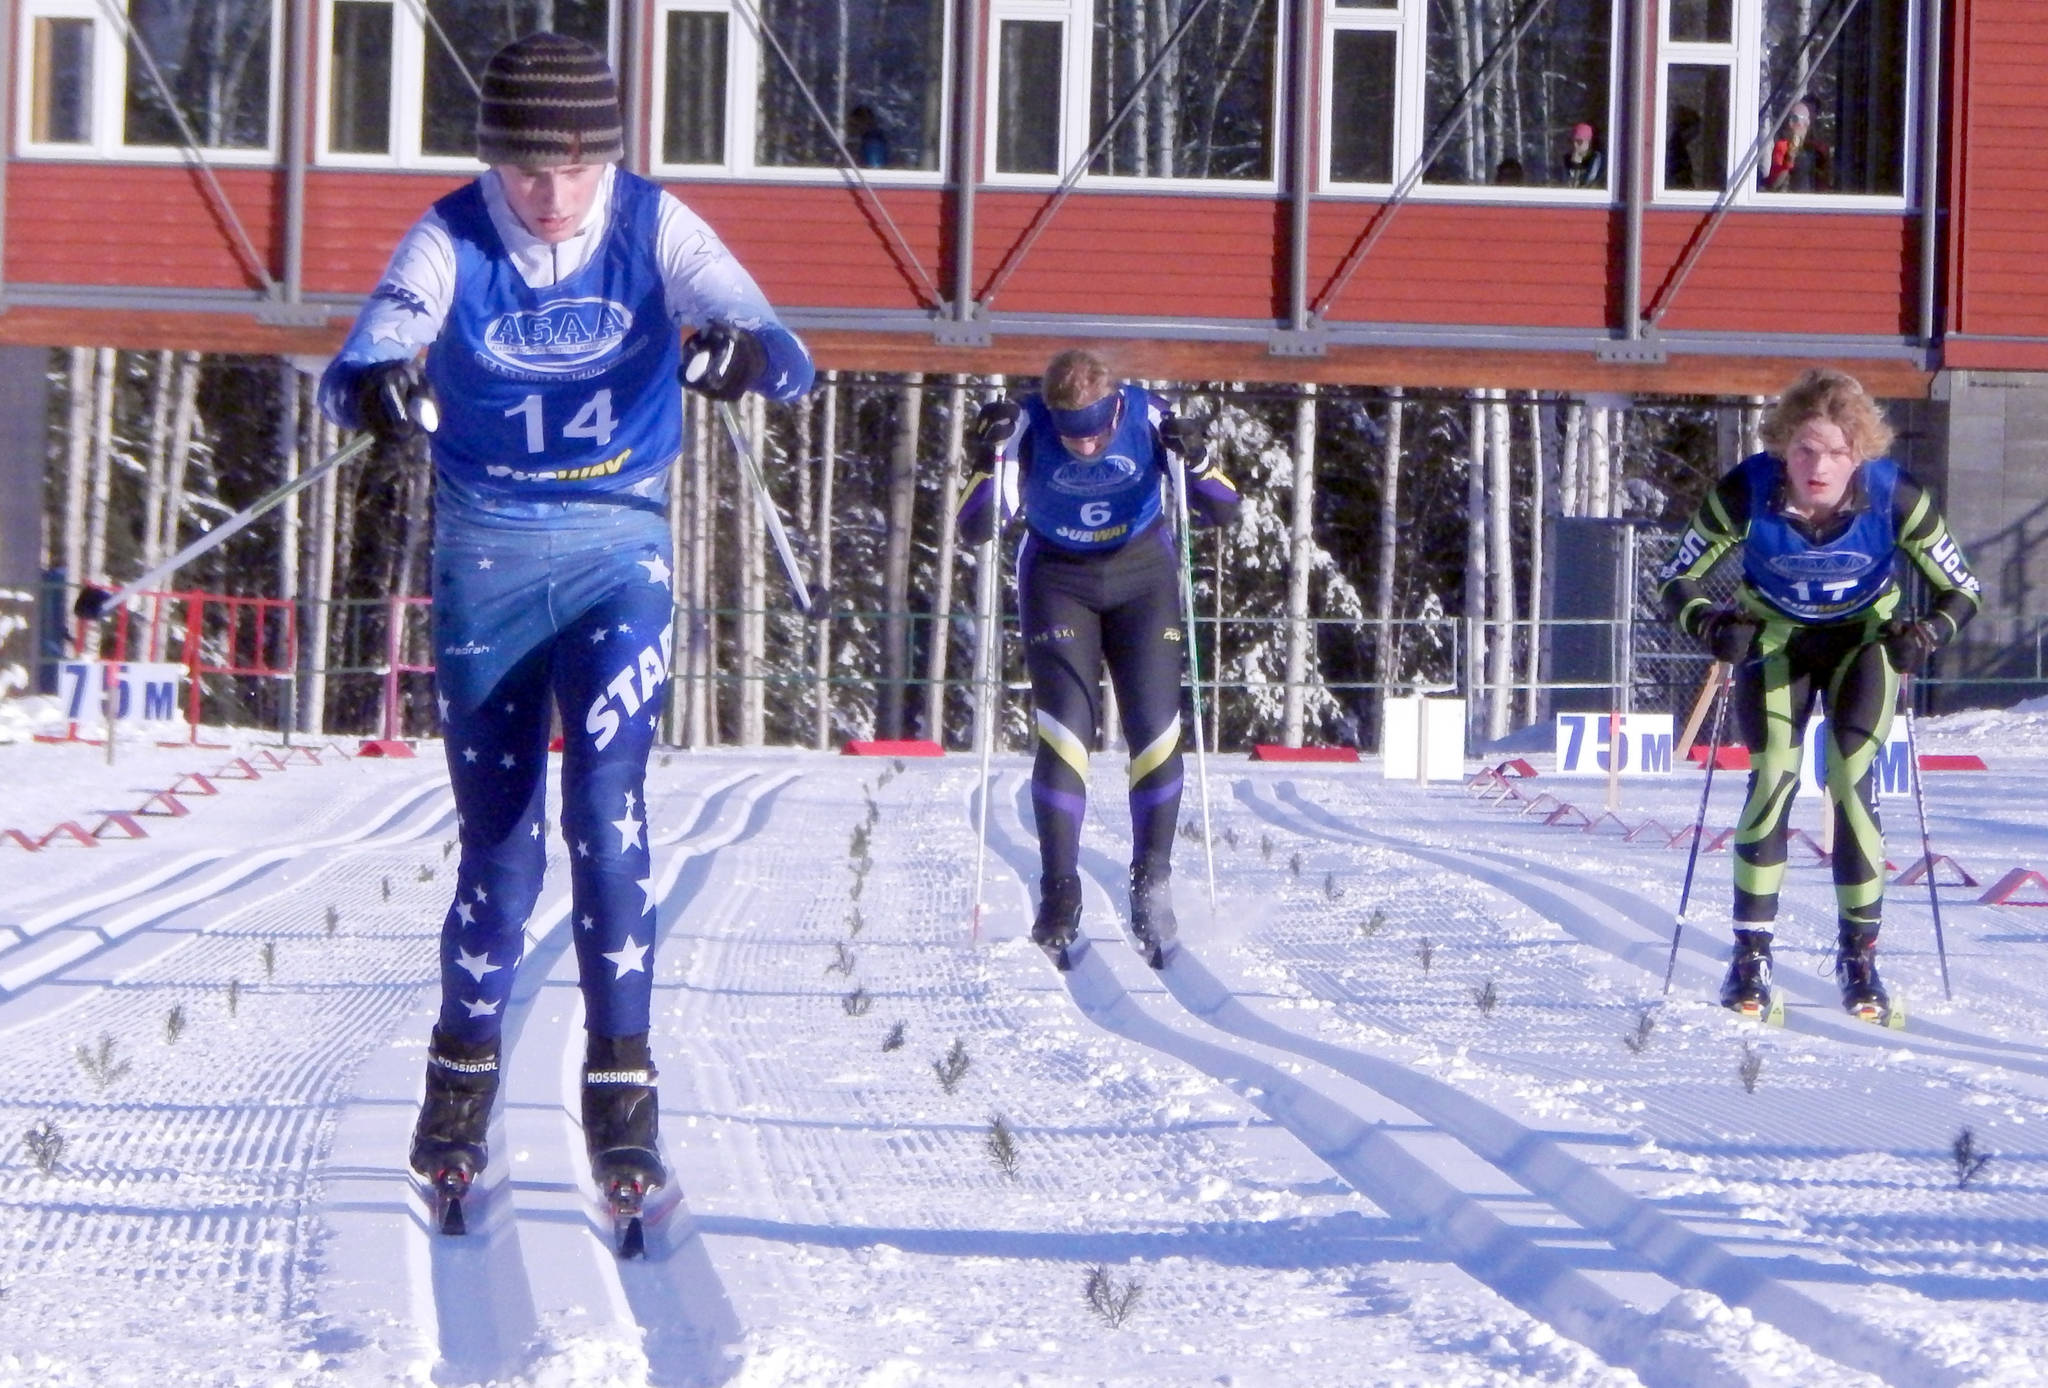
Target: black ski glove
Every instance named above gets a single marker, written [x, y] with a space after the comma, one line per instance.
[1187, 438]
[1730, 634]
[996, 422]
[394, 401]
[1910, 642]
[722, 361]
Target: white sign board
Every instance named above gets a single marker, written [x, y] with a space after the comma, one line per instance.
[1582, 744]
[1892, 766]
[1422, 738]
[147, 693]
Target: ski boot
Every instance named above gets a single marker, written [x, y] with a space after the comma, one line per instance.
[1863, 992]
[449, 1142]
[1058, 927]
[621, 1125]
[1152, 922]
[1747, 987]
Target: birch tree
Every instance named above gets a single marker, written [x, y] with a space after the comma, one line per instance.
[902, 503]
[828, 463]
[941, 644]
[1302, 516]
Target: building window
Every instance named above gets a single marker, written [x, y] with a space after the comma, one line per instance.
[1846, 134]
[1543, 85]
[1525, 94]
[214, 57]
[359, 87]
[875, 67]
[61, 107]
[399, 90]
[215, 66]
[1030, 63]
[1843, 126]
[750, 86]
[1209, 111]
[693, 88]
[1363, 90]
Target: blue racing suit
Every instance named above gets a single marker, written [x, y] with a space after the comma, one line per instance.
[554, 366]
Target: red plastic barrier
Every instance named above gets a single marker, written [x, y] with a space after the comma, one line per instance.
[1952, 761]
[1273, 751]
[893, 747]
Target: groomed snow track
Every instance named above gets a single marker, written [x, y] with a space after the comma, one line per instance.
[1307, 1138]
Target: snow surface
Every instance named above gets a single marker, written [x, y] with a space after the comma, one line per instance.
[1317, 1160]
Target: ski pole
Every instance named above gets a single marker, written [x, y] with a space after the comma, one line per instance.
[1178, 467]
[988, 597]
[817, 606]
[1726, 674]
[1926, 849]
[95, 603]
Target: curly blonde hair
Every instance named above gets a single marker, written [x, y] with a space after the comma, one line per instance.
[1074, 378]
[1836, 396]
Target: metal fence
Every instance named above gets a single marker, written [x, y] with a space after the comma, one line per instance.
[364, 667]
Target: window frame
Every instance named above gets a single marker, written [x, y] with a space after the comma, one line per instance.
[409, 40]
[1743, 55]
[745, 53]
[1410, 20]
[108, 98]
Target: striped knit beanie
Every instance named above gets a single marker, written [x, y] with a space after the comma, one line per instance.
[549, 99]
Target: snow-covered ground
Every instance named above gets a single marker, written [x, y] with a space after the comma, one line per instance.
[1306, 1151]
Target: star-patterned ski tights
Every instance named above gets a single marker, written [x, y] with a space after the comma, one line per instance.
[522, 621]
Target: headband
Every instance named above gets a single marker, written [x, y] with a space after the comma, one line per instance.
[1086, 422]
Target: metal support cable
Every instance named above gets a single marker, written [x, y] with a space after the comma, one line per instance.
[252, 258]
[1080, 166]
[936, 298]
[1810, 58]
[433, 26]
[1441, 136]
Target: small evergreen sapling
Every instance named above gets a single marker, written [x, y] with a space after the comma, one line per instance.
[1371, 925]
[1425, 950]
[333, 919]
[234, 996]
[1751, 1068]
[842, 959]
[1486, 998]
[1001, 1145]
[1970, 1158]
[894, 1040]
[45, 1145]
[270, 959]
[954, 1067]
[1111, 1302]
[174, 1023]
[100, 1065]
[857, 1002]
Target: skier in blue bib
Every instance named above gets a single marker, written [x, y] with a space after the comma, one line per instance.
[1097, 581]
[550, 298]
[1823, 520]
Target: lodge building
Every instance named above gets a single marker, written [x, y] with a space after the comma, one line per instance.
[1603, 197]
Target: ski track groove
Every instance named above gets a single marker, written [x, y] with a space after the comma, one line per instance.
[1508, 1258]
[484, 1311]
[1689, 1256]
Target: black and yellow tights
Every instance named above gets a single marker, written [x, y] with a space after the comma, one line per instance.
[1845, 666]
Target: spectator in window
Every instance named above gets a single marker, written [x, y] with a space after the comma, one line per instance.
[867, 138]
[541, 309]
[1582, 163]
[1799, 162]
[1509, 172]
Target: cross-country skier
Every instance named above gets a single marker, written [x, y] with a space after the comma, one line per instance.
[1098, 580]
[550, 297]
[1821, 517]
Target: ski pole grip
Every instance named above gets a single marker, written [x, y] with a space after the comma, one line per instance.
[424, 412]
[92, 604]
